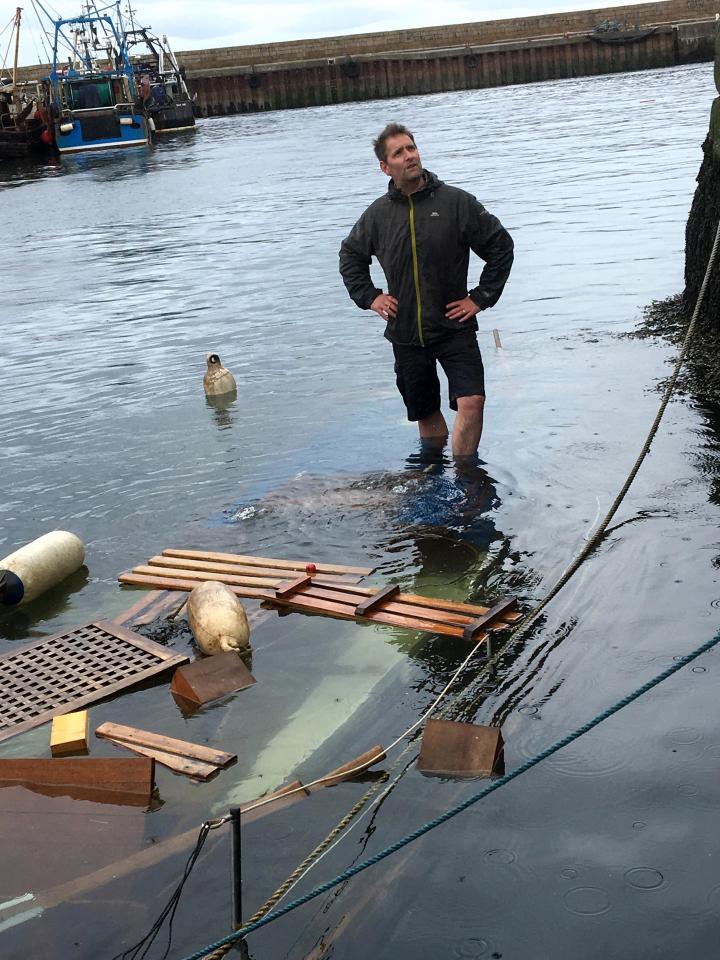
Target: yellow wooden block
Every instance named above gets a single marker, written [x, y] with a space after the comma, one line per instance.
[69, 734]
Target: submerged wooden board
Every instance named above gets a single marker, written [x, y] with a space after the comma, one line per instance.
[151, 606]
[452, 749]
[191, 768]
[70, 670]
[52, 840]
[156, 741]
[102, 779]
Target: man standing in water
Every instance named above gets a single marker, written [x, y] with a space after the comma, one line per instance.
[422, 231]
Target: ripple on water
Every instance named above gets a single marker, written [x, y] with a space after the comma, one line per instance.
[684, 735]
[644, 878]
[472, 947]
[587, 901]
[597, 756]
[500, 856]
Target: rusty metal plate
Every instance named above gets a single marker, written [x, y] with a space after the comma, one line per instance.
[67, 671]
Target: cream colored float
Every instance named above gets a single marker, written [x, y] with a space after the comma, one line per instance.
[218, 381]
[39, 565]
[217, 618]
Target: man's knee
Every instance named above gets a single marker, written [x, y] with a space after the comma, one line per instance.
[471, 406]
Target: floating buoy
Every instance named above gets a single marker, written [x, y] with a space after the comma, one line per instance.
[217, 618]
[39, 565]
[218, 380]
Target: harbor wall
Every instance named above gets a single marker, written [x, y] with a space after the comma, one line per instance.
[453, 35]
[324, 80]
[425, 60]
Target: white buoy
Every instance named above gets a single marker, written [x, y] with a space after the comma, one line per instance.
[218, 380]
[39, 565]
[217, 618]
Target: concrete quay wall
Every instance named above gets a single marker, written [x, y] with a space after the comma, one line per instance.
[250, 86]
[453, 35]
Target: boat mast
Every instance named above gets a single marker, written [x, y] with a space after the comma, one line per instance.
[18, 16]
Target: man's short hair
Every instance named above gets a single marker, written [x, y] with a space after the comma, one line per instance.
[391, 130]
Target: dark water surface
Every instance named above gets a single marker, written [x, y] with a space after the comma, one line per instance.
[123, 271]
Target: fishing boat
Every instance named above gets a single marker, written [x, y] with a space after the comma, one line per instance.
[92, 99]
[163, 93]
[22, 127]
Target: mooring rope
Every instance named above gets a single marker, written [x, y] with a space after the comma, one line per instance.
[565, 741]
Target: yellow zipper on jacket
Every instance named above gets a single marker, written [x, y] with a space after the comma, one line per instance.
[416, 272]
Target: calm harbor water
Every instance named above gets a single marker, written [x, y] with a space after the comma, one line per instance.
[124, 271]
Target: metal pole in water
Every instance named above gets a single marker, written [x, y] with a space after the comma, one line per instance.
[236, 867]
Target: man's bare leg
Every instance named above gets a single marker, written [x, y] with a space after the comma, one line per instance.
[468, 426]
[433, 427]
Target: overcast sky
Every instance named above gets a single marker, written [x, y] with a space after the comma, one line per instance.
[211, 23]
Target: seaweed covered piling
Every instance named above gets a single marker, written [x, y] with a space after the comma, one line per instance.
[669, 318]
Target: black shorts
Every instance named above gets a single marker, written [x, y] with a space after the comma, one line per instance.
[417, 379]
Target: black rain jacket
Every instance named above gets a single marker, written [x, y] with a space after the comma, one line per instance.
[423, 244]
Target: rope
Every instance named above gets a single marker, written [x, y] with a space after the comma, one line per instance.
[460, 807]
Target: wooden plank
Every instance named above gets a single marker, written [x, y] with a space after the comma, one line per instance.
[156, 741]
[209, 678]
[191, 768]
[315, 605]
[289, 587]
[101, 779]
[69, 733]
[352, 768]
[399, 607]
[150, 607]
[177, 583]
[230, 579]
[452, 749]
[299, 565]
[378, 598]
[244, 570]
[472, 630]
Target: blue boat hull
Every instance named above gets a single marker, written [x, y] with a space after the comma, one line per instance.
[100, 130]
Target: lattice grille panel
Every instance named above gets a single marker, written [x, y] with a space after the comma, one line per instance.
[62, 673]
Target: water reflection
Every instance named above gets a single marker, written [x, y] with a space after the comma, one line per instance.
[223, 408]
[25, 621]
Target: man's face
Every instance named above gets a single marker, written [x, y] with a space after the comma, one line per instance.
[403, 162]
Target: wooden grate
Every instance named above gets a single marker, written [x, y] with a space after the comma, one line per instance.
[350, 602]
[67, 671]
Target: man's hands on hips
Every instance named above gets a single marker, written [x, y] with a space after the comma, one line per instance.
[462, 310]
[385, 306]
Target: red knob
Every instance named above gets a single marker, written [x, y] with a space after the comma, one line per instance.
[310, 569]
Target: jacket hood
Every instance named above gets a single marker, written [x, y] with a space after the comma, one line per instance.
[431, 184]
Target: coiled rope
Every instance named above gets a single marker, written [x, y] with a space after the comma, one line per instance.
[262, 917]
